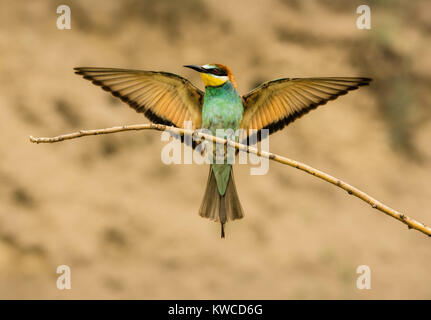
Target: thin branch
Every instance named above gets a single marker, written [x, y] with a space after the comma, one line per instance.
[411, 223]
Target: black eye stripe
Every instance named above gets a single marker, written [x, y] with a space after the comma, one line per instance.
[217, 72]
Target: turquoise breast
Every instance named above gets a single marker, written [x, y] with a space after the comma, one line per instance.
[222, 109]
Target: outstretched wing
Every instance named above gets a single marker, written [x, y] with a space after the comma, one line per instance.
[163, 97]
[275, 104]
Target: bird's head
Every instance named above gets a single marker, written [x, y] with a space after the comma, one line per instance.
[214, 75]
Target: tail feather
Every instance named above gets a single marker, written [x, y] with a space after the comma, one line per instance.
[221, 208]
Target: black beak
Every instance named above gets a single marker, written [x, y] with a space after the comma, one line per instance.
[196, 68]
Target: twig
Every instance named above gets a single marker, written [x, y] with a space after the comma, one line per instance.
[411, 223]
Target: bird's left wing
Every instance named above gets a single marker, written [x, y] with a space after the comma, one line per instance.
[275, 104]
[163, 97]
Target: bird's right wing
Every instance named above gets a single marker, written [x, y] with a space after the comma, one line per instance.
[164, 98]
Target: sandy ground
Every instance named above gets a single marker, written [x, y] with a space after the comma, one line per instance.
[127, 225]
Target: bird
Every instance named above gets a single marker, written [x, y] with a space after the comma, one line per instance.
[169, 99]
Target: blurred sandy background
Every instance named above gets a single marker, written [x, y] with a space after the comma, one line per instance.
[127, 224]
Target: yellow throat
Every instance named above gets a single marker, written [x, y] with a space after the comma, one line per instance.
[212, 80]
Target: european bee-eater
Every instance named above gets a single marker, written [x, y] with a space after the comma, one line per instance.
[170, 99]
